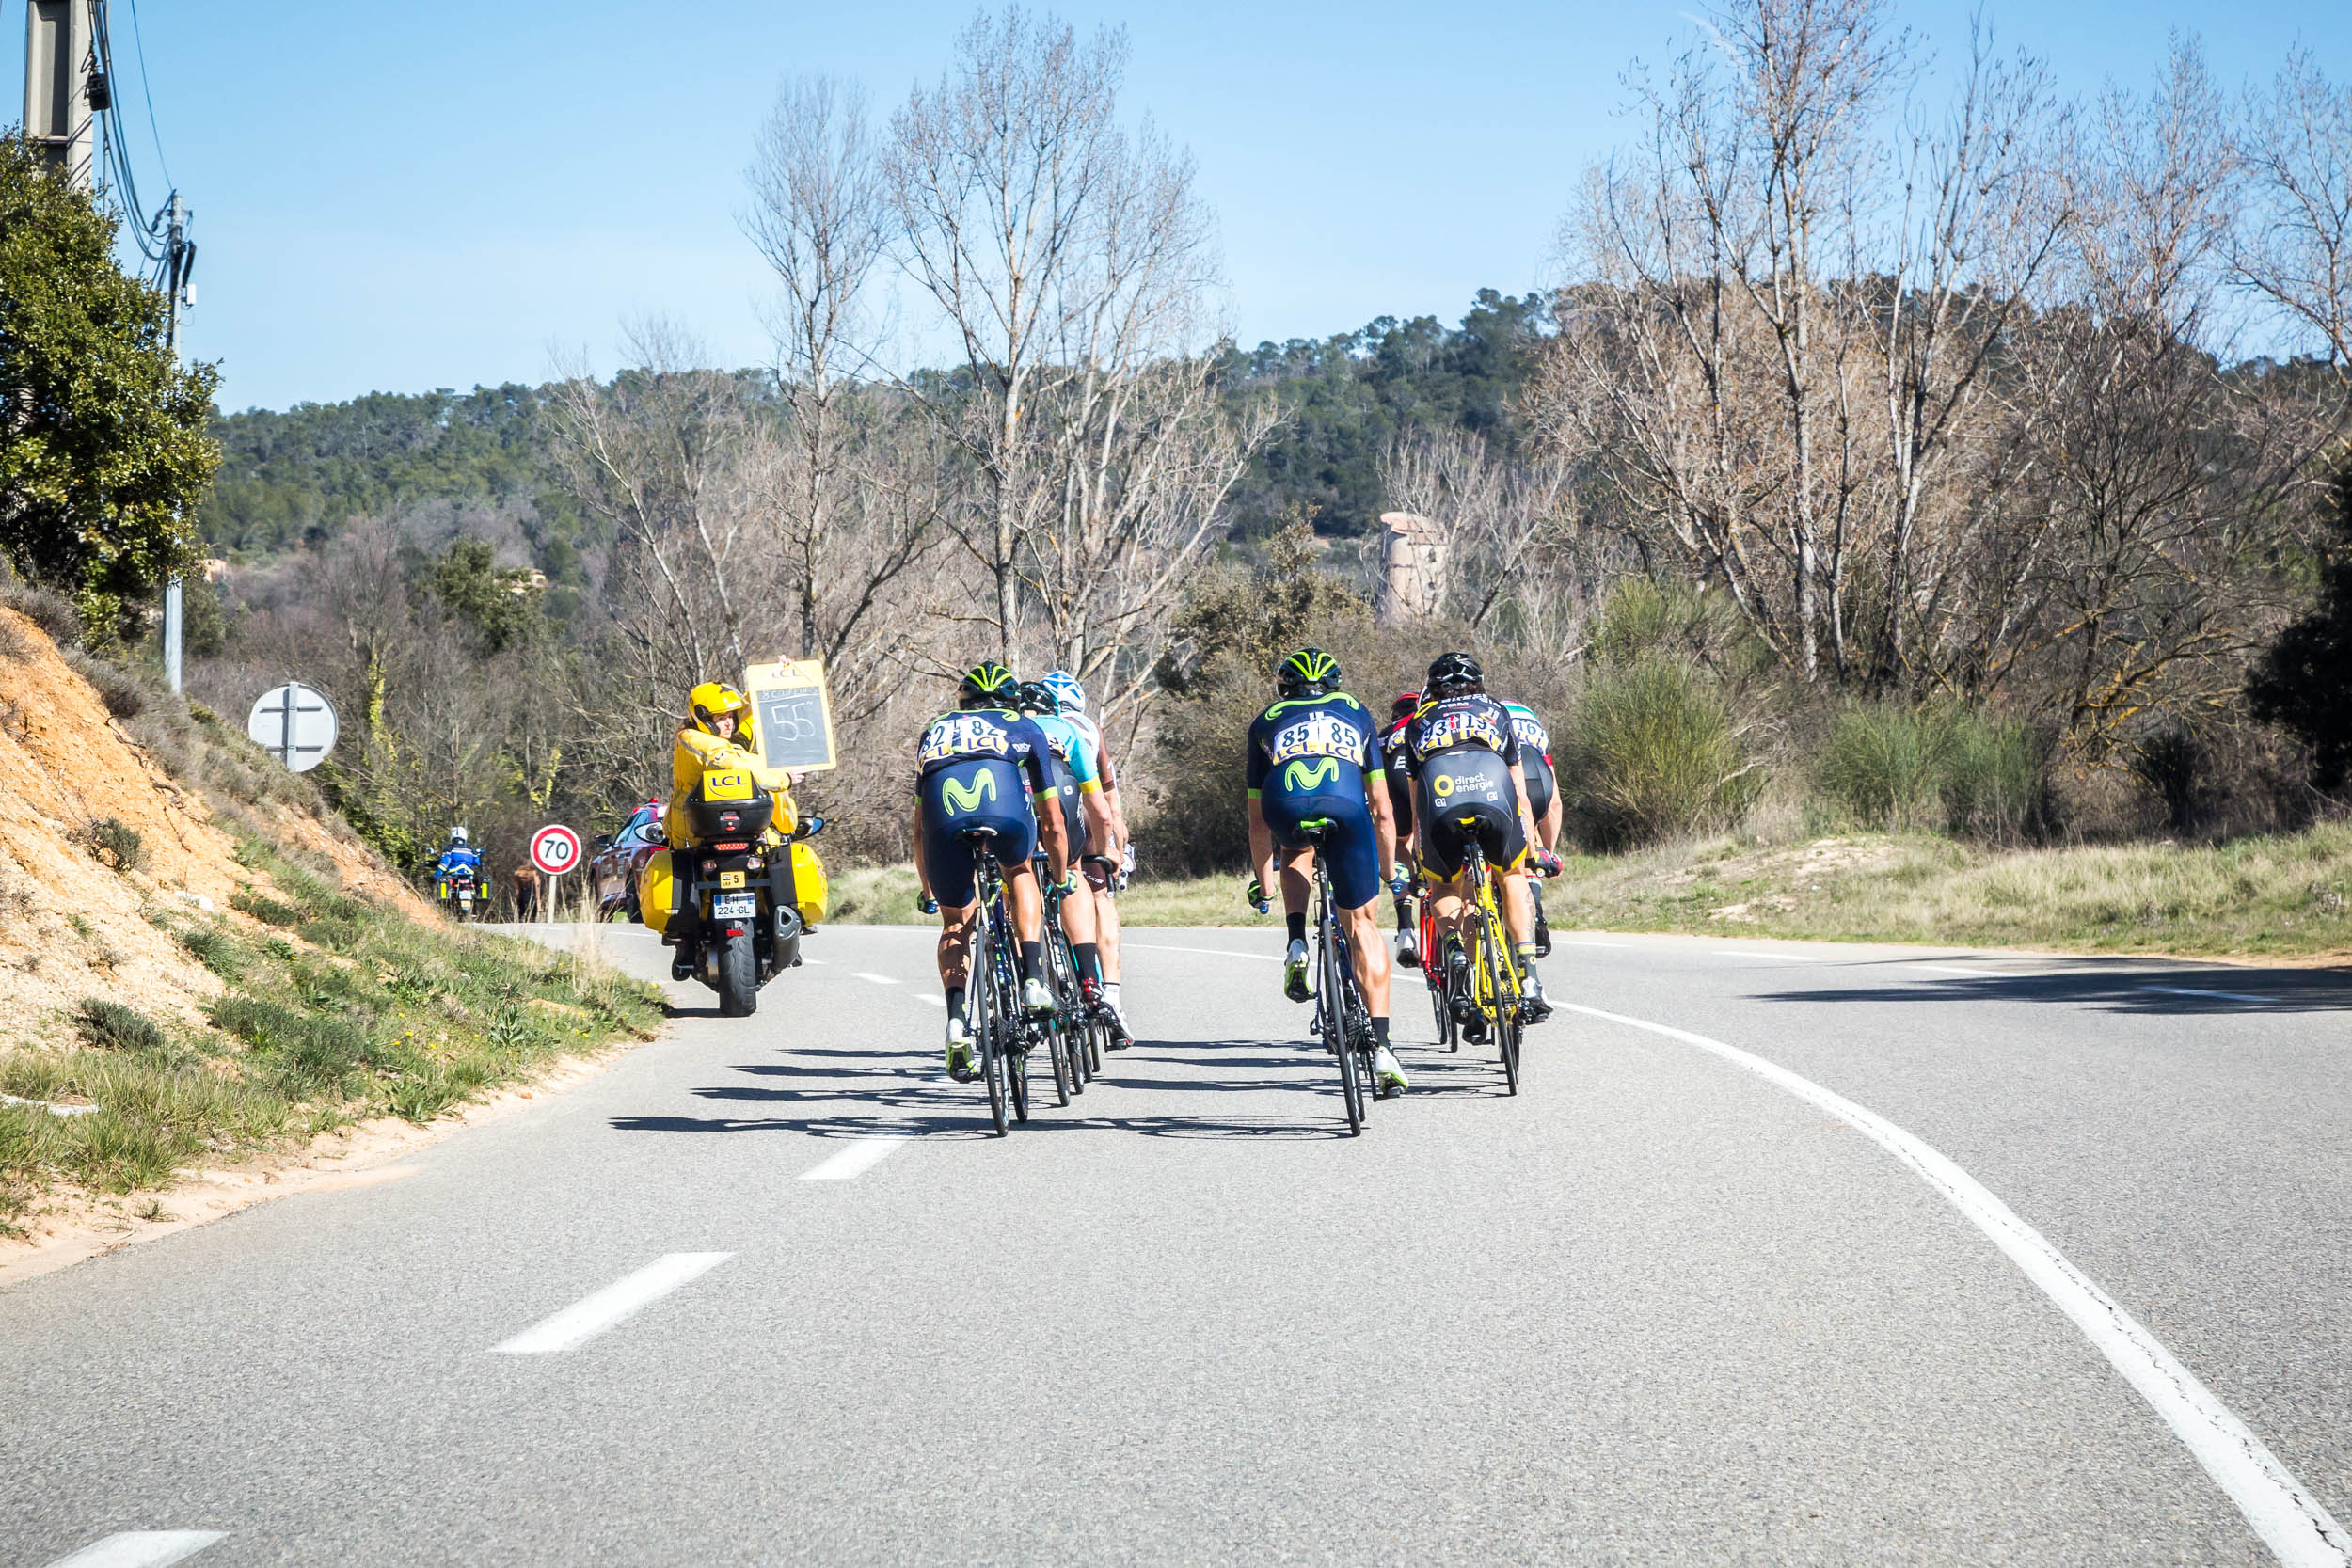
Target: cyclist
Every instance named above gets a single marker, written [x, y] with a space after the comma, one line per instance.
[1397, 779]
[461, 856]
[1079, 787]
[1543, 807]
[1311, 755]
[984, 766]
[1464, 756]
[1107, 865]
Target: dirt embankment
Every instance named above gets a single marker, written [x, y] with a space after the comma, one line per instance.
[74, 924]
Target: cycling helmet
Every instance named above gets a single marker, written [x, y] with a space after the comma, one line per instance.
[715, 700]
[989, 685]
[1036, 697]
[1405, 705]
[1308, 673]
[1450, 675]
[456, 837]
[1066, 688]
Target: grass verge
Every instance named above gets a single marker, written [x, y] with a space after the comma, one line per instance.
[2288, 896]
[347, 1010]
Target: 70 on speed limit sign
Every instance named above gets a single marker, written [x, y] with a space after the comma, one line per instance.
[555, 850]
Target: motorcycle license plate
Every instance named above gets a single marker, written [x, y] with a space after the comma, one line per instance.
[735, 905]
[730, 878]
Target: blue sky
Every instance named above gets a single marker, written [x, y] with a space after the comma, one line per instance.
[403, 196]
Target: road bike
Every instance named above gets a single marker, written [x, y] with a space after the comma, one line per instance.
[1443, 998]
[1494, 988]
[1002, 1035]
[1342, 1020]
[1074, 1030]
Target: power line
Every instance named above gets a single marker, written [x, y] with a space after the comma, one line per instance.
[147, 90]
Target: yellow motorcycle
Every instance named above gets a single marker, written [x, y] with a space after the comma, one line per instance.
[737, 904]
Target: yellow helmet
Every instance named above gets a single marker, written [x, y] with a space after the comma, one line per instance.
[712, 699]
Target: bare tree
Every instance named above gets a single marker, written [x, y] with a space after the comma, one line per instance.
[2297, 253]
[1511, 549]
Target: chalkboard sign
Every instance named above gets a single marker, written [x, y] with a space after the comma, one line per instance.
[794, 714]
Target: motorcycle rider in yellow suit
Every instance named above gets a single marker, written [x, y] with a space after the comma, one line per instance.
[718, 733]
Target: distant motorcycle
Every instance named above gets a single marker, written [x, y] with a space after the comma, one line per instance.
[457, 892]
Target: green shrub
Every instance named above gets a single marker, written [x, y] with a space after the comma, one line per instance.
[1652, 754]
[268, 910]
[112, 1026]
[115, 842]
[52, 612]
[216, 950]
[1948, 767]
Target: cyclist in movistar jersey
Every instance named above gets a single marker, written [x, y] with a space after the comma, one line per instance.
[1397, 779]
[1078, 787]
[983, 765]
[1106, 865]
[1310, 756]
[1464, 756]
[1543, 805]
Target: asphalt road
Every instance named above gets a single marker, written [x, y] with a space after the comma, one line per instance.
[1661, 1308]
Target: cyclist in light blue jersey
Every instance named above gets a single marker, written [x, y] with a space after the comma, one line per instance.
[1079, 788]
[1107, 863]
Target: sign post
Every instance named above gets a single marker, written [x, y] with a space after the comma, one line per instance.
[554, 849]
[294, 723]
[793, 711]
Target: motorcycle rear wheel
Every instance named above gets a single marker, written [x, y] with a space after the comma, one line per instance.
[739, 977]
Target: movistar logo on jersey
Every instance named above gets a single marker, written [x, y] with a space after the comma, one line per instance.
[963, 800]
[1306, 776]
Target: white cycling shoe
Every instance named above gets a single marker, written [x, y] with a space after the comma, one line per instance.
[1298, 975]
[1389, 1073]
[1036, 996]
[960, 1050]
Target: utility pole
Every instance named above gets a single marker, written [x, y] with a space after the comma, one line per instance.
[175, 285]
[59, 75]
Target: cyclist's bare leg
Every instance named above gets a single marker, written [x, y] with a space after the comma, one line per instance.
[1299, 870]
[1078, 914]
[955, 942]
[1362, 926]
[1518, 908]
[1548, 828]
[1098, 874]
[1022, 898]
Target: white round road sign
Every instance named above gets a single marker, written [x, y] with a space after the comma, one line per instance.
[294, 723]
[555, 850]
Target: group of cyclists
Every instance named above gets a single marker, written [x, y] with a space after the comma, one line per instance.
[1018, 772]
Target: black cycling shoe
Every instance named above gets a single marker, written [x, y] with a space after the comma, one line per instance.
[1543, 934]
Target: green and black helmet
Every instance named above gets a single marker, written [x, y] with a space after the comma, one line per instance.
[1308, 673]
[989, 685]
[1036, 697]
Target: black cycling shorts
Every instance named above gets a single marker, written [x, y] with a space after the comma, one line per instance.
[1541, 785]
[1467, 795]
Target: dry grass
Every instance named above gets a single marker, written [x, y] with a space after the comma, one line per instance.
[2288, 896]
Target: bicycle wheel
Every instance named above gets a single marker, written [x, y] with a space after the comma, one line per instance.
[1060, 1037]
[1331, 1002]
[1017, 1072]
[1503, 985]
[984, 1005]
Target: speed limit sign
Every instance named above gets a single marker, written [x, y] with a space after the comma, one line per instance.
[555, 850]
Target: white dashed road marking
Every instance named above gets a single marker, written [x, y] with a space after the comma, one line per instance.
[878, 979]
[1212, 952]
[140, 1548]
[1783, 958]
[934, 1001]
[1972, 974]
[862, 1155]
[2294, 1525]
[577, 1325]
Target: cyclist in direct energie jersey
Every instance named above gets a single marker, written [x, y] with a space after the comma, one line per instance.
[1468, 785]
[1311, 755]
[981, 766]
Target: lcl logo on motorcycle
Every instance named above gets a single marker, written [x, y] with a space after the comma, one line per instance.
[555, 850]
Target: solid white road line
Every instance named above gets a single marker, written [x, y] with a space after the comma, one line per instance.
[2296, 1524]
[934, 1001]
[140, 1548]
[1972, 974]
[577, 1325]
[1587, 941]
[1784, 957]
[860, 1156]
[878, 979]
[2218, 995]
[1212, 952]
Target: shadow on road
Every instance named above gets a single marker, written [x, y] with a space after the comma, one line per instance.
[2167, 989]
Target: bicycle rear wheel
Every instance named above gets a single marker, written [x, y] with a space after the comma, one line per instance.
[1331, 1002]
[1503, 986]
[984, 1005]
[1059, 1034]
